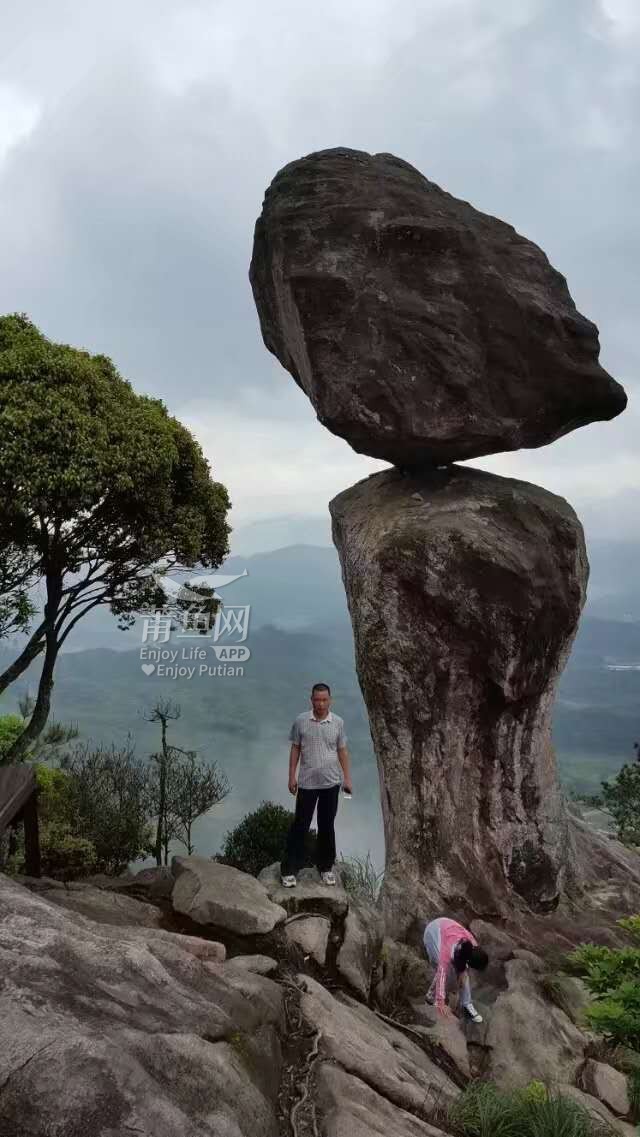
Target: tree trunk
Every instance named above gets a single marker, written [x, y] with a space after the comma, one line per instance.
[162, 797]
[40, 714]
[30, 652]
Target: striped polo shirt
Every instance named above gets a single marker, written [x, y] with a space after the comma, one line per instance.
[318, 740]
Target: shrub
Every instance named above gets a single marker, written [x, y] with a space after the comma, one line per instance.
[484, 1111]
[64, 855]
[622, 798]
[613, 976]
[259, 839]
[618, 1016]
[602, 968]
[11, 727]
[109, 804]
[631, 924]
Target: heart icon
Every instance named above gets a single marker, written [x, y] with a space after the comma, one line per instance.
[148, 668]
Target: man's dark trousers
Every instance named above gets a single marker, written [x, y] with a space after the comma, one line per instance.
[306, 800]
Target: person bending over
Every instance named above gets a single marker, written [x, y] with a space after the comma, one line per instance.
[319, 742]
[452, 950]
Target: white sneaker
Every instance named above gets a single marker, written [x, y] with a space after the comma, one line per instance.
[327, 878]
[472, 1014]
[289, 881]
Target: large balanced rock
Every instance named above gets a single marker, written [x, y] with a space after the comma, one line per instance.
[107, 1031]
[223, 897]
[422, 330]
[464, 591]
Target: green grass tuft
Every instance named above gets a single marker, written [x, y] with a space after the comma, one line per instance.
[484, 1111]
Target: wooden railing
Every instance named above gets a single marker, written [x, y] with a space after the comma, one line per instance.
[19, 803]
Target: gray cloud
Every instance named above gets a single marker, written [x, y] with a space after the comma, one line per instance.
[144, 137]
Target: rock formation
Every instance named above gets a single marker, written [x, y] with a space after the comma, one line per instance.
[464, 591]
[422, 330]
[111, 1027]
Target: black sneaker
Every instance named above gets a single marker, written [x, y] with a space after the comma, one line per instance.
[471, 1014]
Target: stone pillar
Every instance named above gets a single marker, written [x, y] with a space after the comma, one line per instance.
[465, 591]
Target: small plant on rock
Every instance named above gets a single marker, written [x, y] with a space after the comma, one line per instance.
[613, 976]
[483, 1110]
[360, 879]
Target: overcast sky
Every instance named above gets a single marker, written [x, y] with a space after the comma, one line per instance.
[137, 139]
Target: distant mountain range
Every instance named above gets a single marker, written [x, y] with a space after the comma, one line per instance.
[300, 633]
[300, 586]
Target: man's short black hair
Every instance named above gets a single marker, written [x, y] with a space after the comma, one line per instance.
[321, 687]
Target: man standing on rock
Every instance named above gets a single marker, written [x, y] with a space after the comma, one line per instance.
[319, 742]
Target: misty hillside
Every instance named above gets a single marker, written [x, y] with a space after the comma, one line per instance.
[300, 633]
[300, 586]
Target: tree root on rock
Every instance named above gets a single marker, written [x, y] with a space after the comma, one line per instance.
[297, 1113]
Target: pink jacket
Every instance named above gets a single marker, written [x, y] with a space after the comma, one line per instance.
[450, 934]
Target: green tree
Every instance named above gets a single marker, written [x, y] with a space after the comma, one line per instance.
[622, 798]
[17, 574]
[109, 803]
[97, 486]
[163, 712]
[259, 839]
[46, 748]
[194, 788]
[63, 854]
[182, 788]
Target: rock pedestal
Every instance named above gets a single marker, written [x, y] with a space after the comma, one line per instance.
[464, 591]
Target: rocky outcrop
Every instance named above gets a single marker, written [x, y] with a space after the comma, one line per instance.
[341, 933]
[104, 905]
[599, 1112]
[608, 1085]
[155, 1032]
[107, 1030]
[311, 935]
[309, 895]
[355, 1039]
[464, 591]
[222, 897]
[361, 945]
[422, 330]
[352, 1108]
[529, 1038]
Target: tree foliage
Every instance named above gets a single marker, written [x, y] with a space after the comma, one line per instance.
[182, 788]
[613, 976]
[47, 747]
[97, 485]
[622, 798]
[259, 839]
[108, 803]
